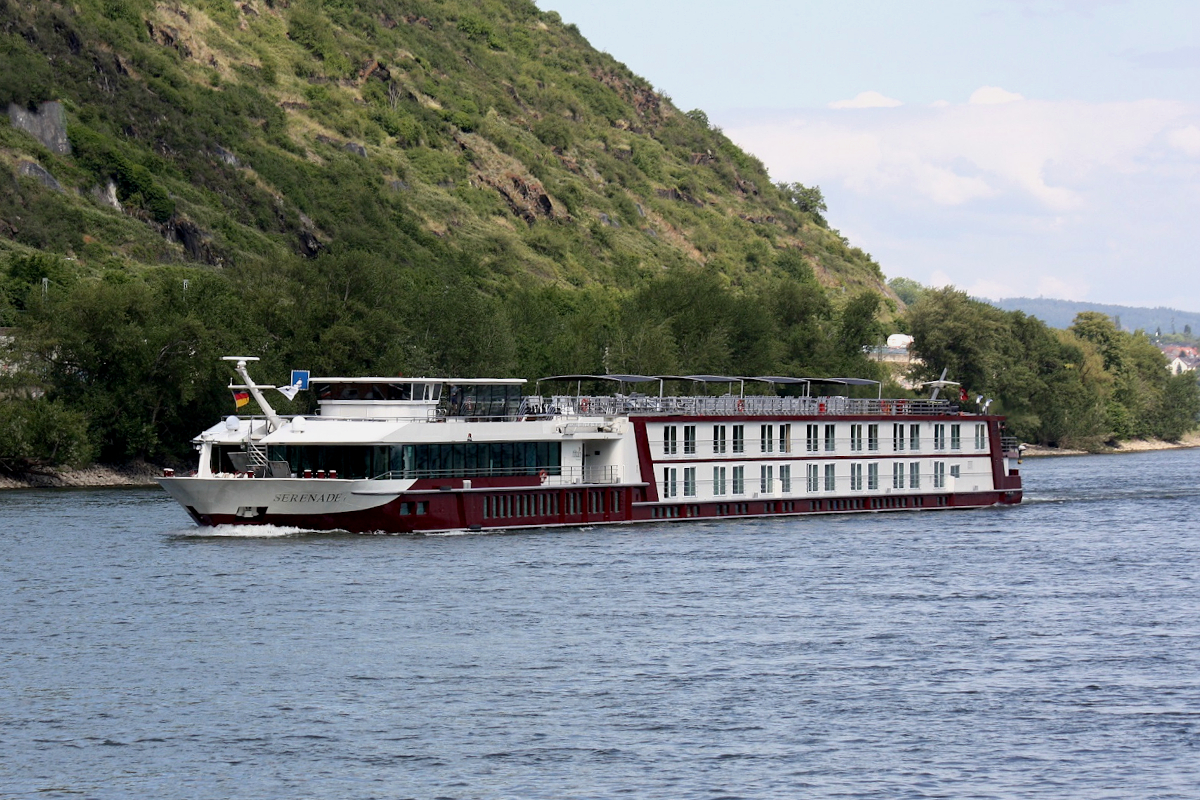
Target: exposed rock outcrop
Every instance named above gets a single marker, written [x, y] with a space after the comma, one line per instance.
[48, 125]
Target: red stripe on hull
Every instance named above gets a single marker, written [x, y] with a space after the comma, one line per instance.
[593, 506]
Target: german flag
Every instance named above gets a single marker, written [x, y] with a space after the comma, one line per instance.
[241, 398]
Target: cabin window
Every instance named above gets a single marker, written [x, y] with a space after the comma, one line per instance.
[856, 482]
[689, 482]
[898, 437]
[955, 471]
[766, 479]
[718, 480]
[873, 438]
[719, 439]
[785, 438]
[670, 488]
[897, 475]
[830, 478]
[872, 476]
[689, 439]
[914, 475]
[670, 433]
[939, 437]
[785, 478]
[487, 400]
[914, 437]
[739, 480]
[813, 478]
[939, 474]
[980, 437]
[955, 437]
[830, 438]
[812, 438]
[766, 438]
[856, 438]
[739, 438]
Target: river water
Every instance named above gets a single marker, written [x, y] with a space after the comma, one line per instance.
[1050, 650]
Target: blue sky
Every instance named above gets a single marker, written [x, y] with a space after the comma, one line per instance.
[1007, 147]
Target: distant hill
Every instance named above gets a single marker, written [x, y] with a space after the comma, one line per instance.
[1060, 314]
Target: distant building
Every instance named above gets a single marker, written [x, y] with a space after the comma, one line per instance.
[1179, 351]
[1182, 364]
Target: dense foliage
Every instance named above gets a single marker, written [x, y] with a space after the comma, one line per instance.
[137, 359]
[1078, 387]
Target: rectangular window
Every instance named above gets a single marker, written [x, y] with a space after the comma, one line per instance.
[830, 478]
[689, 482]
[856, 439]
[785, 478]
[813, 478]
[914, 437]
[914, 475]
[872, 476]
[980, 436]
[718, 480]
[669, 487]
[739, 438]
[856, 483]
[739, 480]
[897, 475]
[955, 437]
[785, 438]
[939, 474]
[766, 479]
[830, 438]
[898, 437]
[669, 433]
[955, 471]
[719, 439]
[873, 437]
[689, 439]
[766, 438]
[811, 438]
[939, 437]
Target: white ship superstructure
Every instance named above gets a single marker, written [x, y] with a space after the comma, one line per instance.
[429, 454]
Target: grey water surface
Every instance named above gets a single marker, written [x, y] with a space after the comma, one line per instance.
[1050, 650]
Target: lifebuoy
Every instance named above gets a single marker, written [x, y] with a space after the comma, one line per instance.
[543, 476]
[584, 405]
[741, 406]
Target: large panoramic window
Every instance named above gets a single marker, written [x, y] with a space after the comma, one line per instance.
[458, 460]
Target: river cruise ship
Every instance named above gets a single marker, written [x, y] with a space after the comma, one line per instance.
[406, 455]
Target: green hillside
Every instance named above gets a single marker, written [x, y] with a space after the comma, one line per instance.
[237, 133]
[434, 186]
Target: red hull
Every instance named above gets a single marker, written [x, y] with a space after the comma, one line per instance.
[459, 510]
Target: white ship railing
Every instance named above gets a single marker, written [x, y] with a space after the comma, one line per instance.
[728, 405]
[552, 476]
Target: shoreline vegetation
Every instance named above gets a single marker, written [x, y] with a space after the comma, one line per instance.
[141, 474]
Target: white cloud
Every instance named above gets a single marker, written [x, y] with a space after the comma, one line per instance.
[1064, 199]
[1186, 140]
[867, 100]
[992, 96]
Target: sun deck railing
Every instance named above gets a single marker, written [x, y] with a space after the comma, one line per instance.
[728, 405]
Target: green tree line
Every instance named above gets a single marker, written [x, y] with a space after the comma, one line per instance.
[1078, 387]
[125, 366]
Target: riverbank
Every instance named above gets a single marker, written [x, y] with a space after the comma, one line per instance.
[136, 474]
[1132, 446]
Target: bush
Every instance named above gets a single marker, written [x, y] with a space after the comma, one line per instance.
[42, 433]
